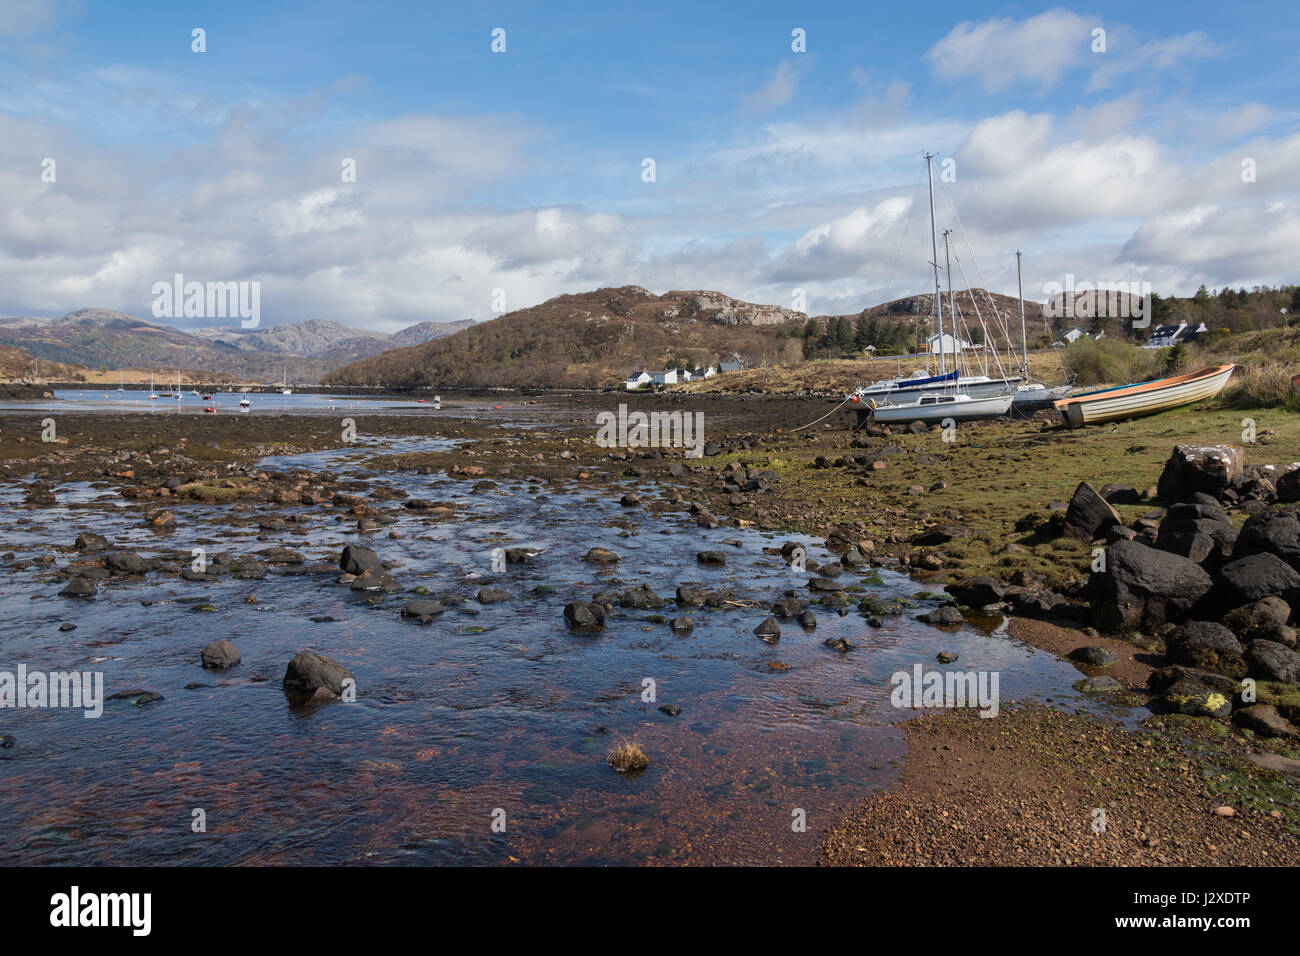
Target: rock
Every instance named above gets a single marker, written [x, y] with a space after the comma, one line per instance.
[1117, 494]
[1225, 812]
[1194, 698]
[641, 596]
[1206, 646]
[1094, 655]
[807, 620]
[1269, 660]
[787, 607]
[137, 696]
[1089, 515]
[311, 675]
[492, 595]
[711, 557]
[942, 616]
[1098, 685]
[630, 500]
[1288, 485]
[1212, 469]
[423, 611]
[769, 629]
[1273, 532]
[1143, 588]
[1253, 578]
[600, 556]
[248, 567]
[1191, 545]
[125, 562]
[356, 560]
[945, 657]
[161, 520]
[672, 710]
[81, 588]
[1265, 619]
[375, 579]
[220, 655]
[841, 644]
[1264, 720]
[691, 597]
[89, 541]
[942, 534]
[977, 591]
[682, 624]
[580, 614]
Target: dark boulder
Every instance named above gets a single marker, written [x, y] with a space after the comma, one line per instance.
[422, 611]
[81, 588]
[942, 616]
[1089, 515]
[1265, 720]
[1271, 532]
[1117, 494]
[220, 655]
[1268, 660]
[1143, 588]
[641, 596]
[580, 614]
[1253, 578]
[89, 541]
[1211, 469]
[1206, 646]
[356, 559]
[492, 595]
[313, 675]
[1261, 620]
[125, 562]
[977, 591]
[1094, 655]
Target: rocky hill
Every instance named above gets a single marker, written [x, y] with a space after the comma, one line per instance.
[589, 340]
[305, 351]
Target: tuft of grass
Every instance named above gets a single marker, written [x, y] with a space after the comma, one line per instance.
[628, 757]
[1264, 385]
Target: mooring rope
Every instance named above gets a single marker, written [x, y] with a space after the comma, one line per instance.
[826, 416]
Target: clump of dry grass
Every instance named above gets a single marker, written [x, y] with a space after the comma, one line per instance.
[1263, 385]
[628, 757]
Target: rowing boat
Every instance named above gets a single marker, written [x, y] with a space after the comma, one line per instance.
[1143, 398]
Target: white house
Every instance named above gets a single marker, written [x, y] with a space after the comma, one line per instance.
[665, 378]
[732, 364]
[1073, 335]
[1167, 335]
[704, 372]
[950, 344]
[637, 380]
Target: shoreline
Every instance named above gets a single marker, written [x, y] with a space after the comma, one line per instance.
[982, 775]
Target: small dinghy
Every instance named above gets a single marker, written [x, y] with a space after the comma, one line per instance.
[1143, 398]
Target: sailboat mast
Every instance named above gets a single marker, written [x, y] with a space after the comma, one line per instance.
[1024, 339]
[952, 303]
[934, 259]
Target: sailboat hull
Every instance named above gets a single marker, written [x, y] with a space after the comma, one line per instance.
[1144, 398]
[936, 408]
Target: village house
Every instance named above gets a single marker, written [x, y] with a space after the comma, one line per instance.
[637, 380]
[949, 345]
[1073, 335]
[1167, 335]
[731, 364]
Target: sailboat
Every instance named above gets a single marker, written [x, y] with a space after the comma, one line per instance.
[285, 389]
[1031, 396]
[180, 394]
[244, 401]
[950, 396]
[121, 383]
[152, 393]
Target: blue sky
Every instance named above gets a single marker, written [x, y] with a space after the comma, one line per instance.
[522, 171]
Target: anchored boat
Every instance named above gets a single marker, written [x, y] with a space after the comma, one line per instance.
[958, 406]
[1143, 398]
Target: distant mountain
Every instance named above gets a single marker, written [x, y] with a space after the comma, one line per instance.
[587, 340]
[305, 351]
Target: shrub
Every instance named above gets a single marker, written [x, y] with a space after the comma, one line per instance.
[628, 757]
[1111, 362]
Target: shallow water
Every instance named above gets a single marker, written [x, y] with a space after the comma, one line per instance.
[489, 708]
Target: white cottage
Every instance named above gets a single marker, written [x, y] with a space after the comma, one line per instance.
[948, 345]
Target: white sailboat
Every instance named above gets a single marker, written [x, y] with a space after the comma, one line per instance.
[244, 401]
[121, 383]
[284, 388]
[949, 397]
[152, 394]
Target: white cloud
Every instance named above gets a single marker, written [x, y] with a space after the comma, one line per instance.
[777, 91]
[1001, 52]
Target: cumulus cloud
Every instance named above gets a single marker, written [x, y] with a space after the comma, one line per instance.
[1001, 52]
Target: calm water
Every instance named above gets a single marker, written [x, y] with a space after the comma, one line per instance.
[489, 707]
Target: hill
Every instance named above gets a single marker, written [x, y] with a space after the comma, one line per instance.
[588, 340]
[305, 351]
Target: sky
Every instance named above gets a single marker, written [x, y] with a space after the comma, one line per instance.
[667, 145]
